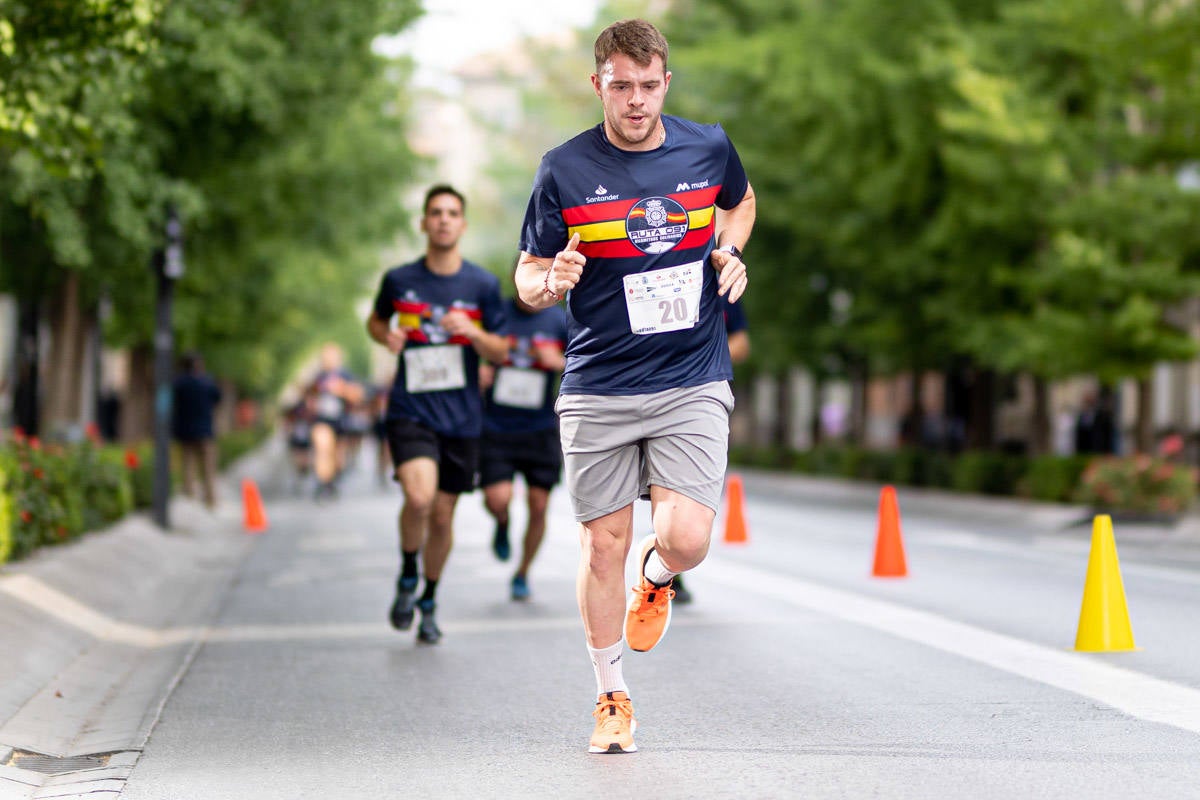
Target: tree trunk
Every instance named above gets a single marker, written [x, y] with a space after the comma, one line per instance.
[224, 417]
[1040, 439]
[859, 375]
[137, 407]
[1144, 434]
[783, 411]
[981, 425]
[63, 399]
[817, 430]
[27, 387]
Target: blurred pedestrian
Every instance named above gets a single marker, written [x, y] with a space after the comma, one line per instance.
[195, 400]
[440, 315]
[638, 223]
[520, 429]
[1094, 426]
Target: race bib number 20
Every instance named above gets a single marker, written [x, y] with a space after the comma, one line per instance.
[665, 299]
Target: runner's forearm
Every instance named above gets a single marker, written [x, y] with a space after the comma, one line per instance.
[377, 329]
[739, 346]
[491, 347]
[531, 281]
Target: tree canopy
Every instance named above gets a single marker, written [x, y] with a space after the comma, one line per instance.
[272, 126]
[988, 180]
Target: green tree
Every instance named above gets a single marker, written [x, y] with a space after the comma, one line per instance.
[982, 181]
[278, 132]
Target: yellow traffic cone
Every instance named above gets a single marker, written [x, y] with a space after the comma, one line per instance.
[1104, 618]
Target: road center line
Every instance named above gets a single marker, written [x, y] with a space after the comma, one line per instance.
[1134, 693]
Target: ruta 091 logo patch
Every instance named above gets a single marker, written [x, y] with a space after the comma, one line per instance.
[656, 224]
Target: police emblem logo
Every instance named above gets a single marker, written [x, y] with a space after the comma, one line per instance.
[656, 224]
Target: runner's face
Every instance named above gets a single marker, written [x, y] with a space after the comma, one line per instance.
[632, 96]
[444, 222]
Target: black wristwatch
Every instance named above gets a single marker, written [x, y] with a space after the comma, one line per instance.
[732, 249]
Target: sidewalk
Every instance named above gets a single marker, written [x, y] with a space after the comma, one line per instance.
[96, 634]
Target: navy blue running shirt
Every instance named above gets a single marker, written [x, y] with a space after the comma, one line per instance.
[521, 398]
[637, 213]
[442, 393]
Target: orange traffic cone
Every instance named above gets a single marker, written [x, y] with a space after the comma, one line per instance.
[255, 518]
[889, 545]
[735, 512]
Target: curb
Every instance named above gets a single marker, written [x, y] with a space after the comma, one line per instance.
[101, 630]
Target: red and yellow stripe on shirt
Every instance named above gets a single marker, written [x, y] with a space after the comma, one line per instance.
[413, 316]
[476, 317]
[602, 232]
[410, 315]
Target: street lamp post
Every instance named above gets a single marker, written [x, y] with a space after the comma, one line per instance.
[168, 268]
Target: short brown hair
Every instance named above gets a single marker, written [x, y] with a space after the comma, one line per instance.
[635, 38]
[440, 189]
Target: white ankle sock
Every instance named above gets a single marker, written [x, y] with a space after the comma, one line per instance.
[607, 663]
[656, 571]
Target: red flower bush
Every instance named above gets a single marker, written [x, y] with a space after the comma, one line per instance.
[1140, 484]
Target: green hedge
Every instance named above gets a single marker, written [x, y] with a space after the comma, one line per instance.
[236, 444]
[57, 491]
[1050, 478]
[52, 492]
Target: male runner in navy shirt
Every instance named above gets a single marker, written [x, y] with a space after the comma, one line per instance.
[440, 315]
[520, 429]
[638, 222]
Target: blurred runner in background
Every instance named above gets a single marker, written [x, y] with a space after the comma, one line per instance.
[440, 315]
[332, 389]
[520, 429]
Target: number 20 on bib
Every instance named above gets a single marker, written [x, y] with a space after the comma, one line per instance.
[665, 299]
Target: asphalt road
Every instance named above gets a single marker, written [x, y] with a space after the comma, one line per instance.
[793, 674]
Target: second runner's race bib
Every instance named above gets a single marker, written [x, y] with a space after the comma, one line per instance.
[519, 388]
[665, 299]
[435, 368]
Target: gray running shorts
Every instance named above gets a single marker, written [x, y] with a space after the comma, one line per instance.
[616, 447]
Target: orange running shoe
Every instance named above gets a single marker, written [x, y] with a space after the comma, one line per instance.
[614, 724]
[649, 612]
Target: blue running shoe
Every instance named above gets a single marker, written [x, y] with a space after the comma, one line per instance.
[520, 588]
[401, 615]
[427, 631]
[500, 545]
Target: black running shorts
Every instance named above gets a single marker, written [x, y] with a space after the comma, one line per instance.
[457, 458]
[537, 456]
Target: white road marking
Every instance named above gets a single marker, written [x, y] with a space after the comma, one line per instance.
[1138, 695]
[332, 543]
[67, 609]
[39, 595]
